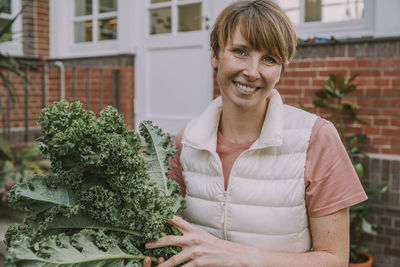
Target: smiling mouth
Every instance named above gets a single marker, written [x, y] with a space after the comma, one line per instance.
[245, 88]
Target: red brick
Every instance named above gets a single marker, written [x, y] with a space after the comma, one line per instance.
[381, 122]
[391, 112]
[365, 62]
[391, 92]
[380, 102]
[391, 132]
[348, 63]
[381, 82]
[382, 62]
[395, 102]
[318, 82]
[303, 64]
[366, 72]
[326, 73]
[304, 73]
[318, 64]
[333, 63]
[396, 62]
[372, 131]
[392, 72]
[372, 92]
[395, 122]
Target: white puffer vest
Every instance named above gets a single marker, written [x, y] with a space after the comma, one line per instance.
[264, 204]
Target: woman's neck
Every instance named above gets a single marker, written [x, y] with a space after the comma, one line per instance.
[242, 126]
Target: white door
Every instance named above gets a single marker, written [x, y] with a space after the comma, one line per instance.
[173, 76]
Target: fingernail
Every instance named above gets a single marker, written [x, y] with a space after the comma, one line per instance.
[148, 245]
[147, 260]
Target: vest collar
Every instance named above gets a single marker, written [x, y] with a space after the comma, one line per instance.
[201, 132]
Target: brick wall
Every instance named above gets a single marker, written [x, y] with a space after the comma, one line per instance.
[35, 21]
[113, 74]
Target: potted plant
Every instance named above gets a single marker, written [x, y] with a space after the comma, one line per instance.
[331, 99]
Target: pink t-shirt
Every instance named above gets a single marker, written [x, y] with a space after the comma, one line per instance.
[330, 180]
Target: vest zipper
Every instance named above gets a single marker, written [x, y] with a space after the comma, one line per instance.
[225, 203]
[224, 216]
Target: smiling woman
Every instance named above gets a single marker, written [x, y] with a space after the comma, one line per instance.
[256, 173]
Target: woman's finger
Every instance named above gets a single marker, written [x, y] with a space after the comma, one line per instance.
[161, 260]
[181, 224]
[147, 262]
[176, 259]
[169, 240]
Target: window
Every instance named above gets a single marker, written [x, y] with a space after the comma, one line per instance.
[13, 42]
[5, 15]
[340, 18]
[95, 20]
[173, 16]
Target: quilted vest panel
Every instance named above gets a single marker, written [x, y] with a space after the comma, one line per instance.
[264, 204]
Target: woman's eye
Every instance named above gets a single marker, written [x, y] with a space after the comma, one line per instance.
[269, 60]
[239, 52]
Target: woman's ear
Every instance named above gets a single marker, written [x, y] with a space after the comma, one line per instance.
[214, 60]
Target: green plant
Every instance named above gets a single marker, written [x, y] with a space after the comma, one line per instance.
[106, 197]
[338, 110]
[18, 164]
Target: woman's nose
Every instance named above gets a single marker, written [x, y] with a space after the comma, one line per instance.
[251, 70]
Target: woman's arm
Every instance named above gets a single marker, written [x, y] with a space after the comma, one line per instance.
[330, 236]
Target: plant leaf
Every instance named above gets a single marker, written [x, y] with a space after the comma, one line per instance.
[35, 195]
[322, 104]
[78, 250]
[158, 151]
[382, 188]
[80, 221]
[367, 227]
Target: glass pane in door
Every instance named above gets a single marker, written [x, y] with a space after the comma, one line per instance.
[83, 31]
[108, 29]
[108, 6]
[83, 7]
[334, 10]
[190, 17]
[160, 20]
[6, 6]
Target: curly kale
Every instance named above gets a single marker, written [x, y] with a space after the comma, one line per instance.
[106, 197]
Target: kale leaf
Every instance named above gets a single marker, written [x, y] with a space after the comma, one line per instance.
[106, 197]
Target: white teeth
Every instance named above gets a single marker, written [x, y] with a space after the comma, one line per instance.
[245, 88]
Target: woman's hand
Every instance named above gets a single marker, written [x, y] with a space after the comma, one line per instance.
[199, 248]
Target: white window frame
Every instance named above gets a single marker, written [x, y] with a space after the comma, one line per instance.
[14, 47]
[62, 39]
[341, 29]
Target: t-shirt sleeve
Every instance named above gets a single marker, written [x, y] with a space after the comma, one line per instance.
[331, 181]
[175, 172]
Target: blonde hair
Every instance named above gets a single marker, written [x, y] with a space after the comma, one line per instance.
[263, 25]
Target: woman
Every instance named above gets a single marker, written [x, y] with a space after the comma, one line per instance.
[266, 184]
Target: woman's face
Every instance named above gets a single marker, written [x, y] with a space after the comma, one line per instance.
[245, 76]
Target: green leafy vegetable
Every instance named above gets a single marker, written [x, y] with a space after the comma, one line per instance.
[106, 197]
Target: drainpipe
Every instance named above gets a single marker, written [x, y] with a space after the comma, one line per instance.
[60, 65]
